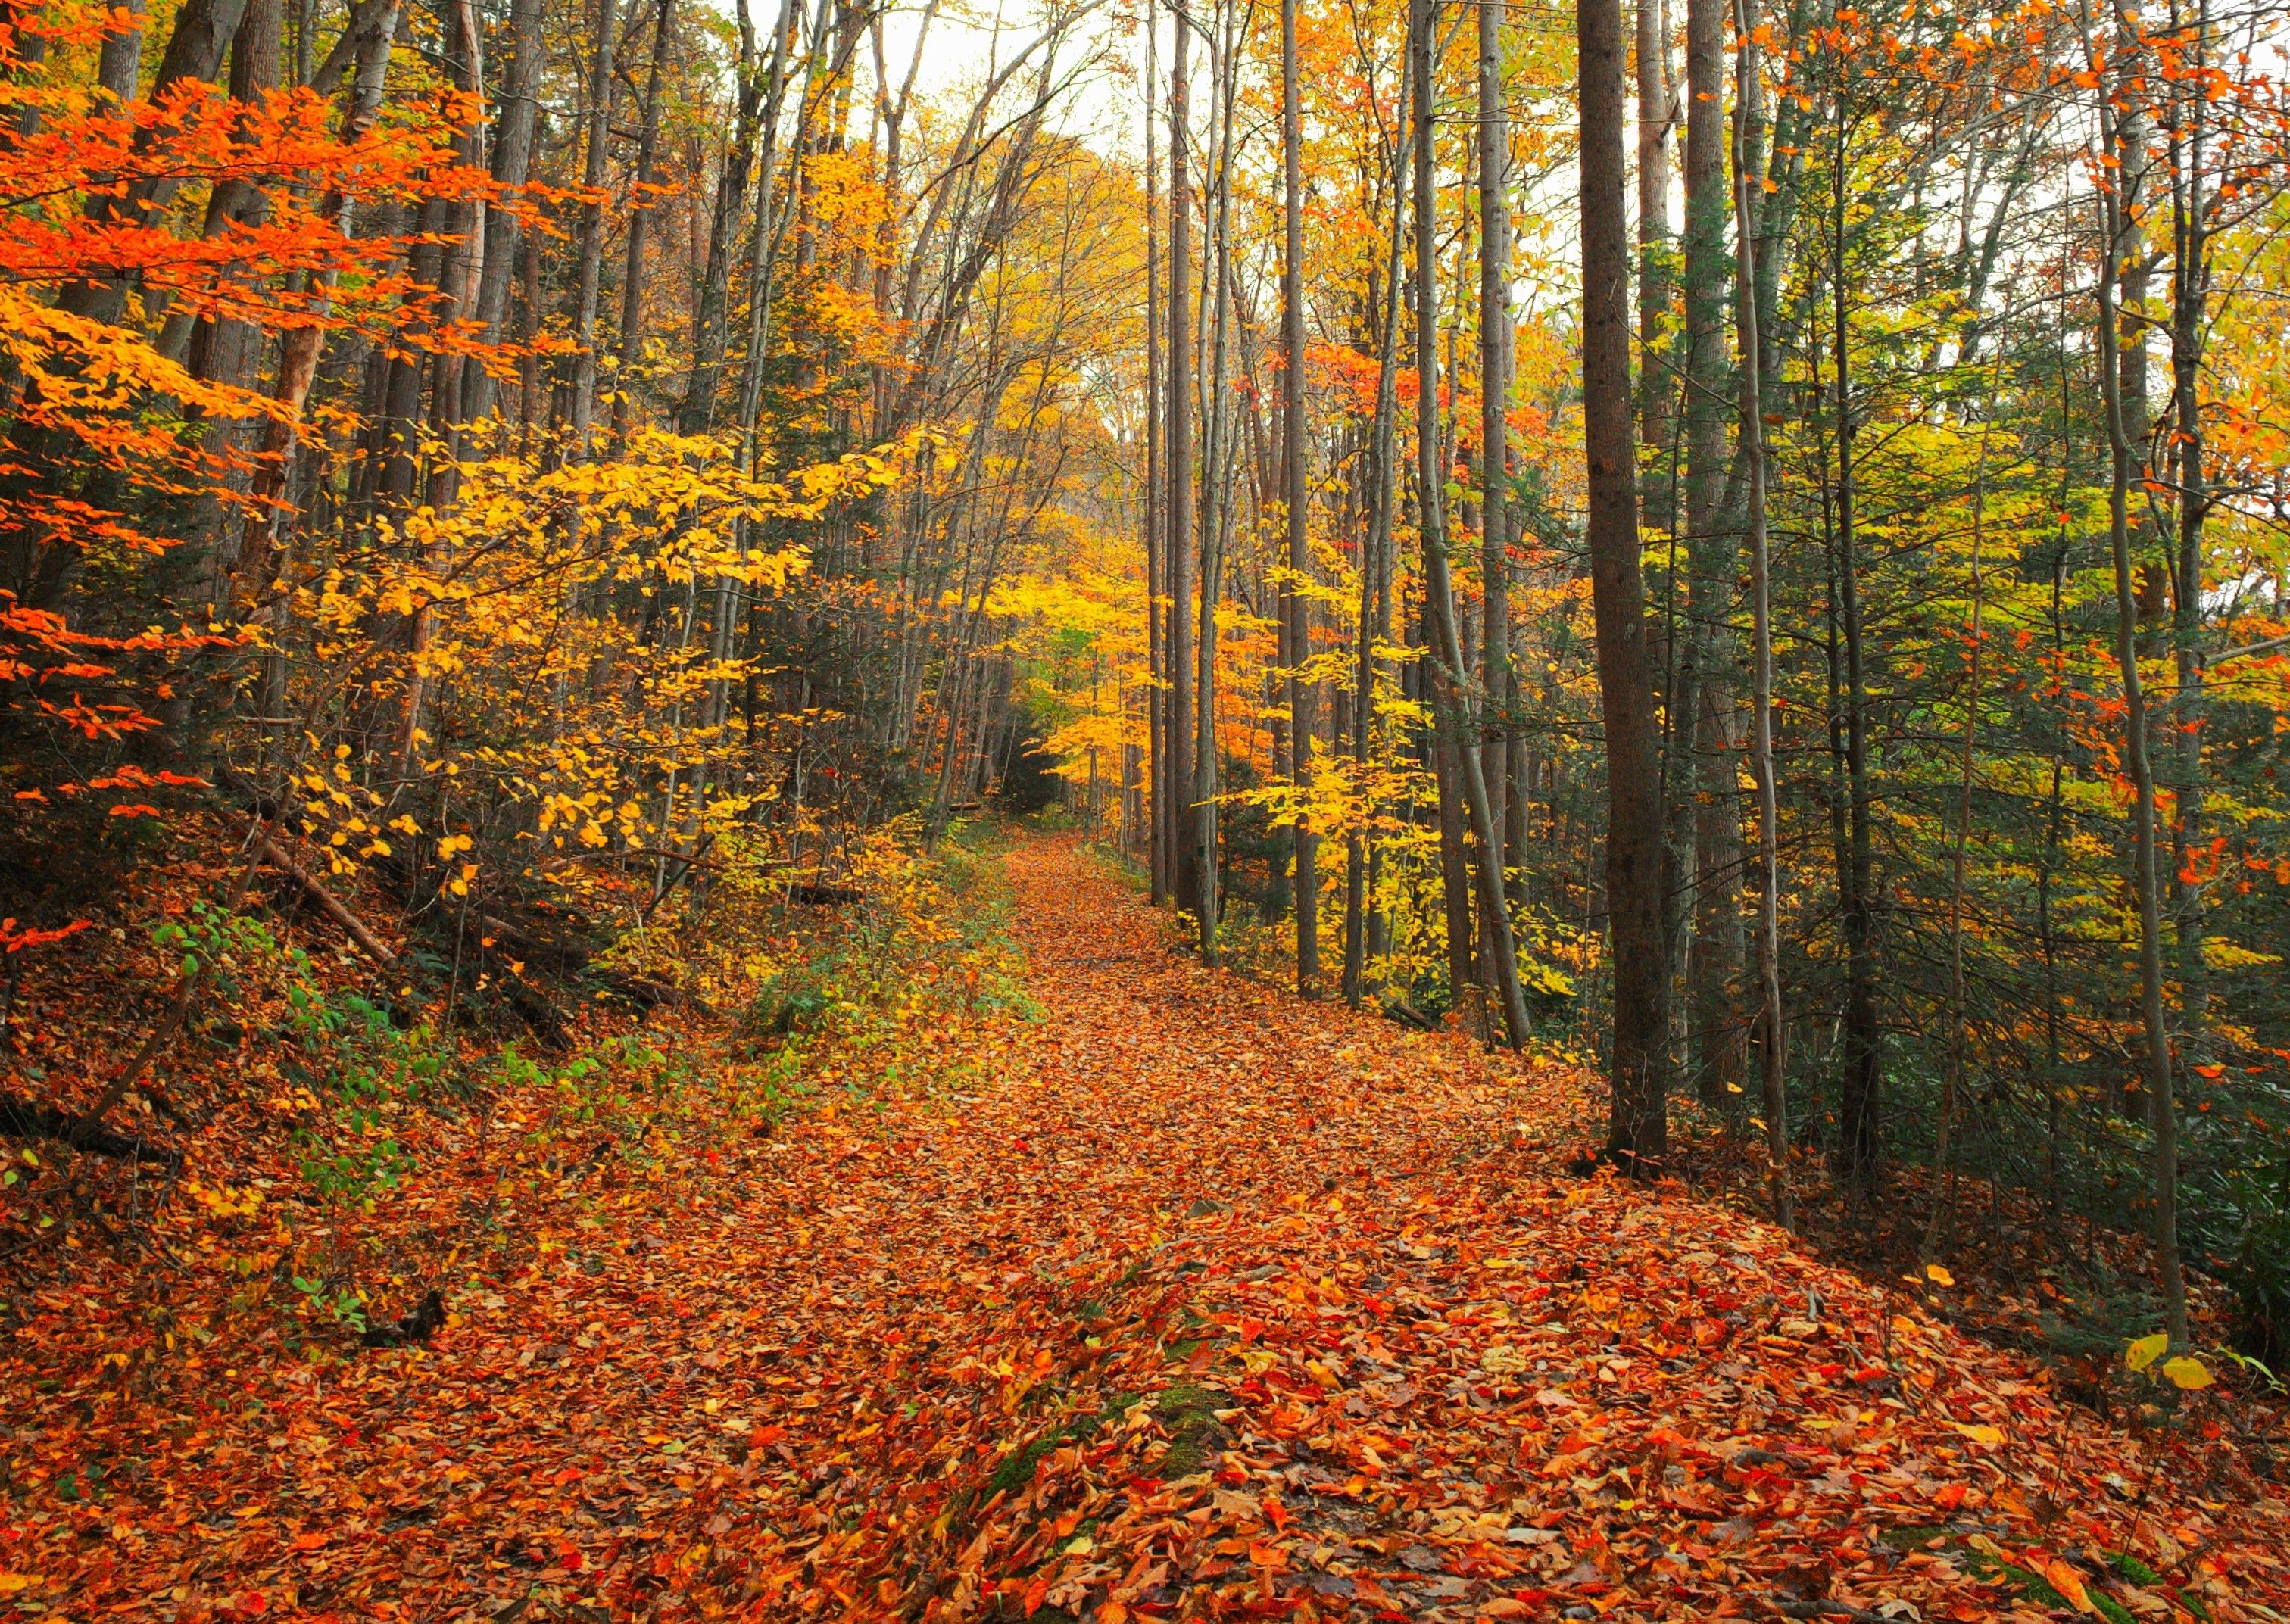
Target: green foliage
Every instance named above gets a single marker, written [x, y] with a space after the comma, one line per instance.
[930, 944]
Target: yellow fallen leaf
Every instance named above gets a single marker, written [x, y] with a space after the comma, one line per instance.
[2146, 1350]
[2187, 1374]
[10, 1583]
[1938, 1276]
[1980, 1433]
[2069, 1583]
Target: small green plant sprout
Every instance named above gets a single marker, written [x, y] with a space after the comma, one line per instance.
[346, 1307]
[2185, 1372]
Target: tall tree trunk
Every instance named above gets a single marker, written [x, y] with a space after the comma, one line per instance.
[1180, 473]
[2189, 313]
[1862, 1126]
[1157, 620]
[712, 295]
[370, 37]
[1215, 506]
[461, 272]
[2120, 239]
[1772, 1052]
[1293, 453]
[1706, 843]
[1657, 119]
[119, 66]
[1362, 869]
[1501, 701]
[590, 272]
[1638, 1130]
[1451, 683]
[512, 166]
[1951, 1093]
[632, 282]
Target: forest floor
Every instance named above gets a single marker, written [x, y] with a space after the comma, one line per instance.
[1190, 1299]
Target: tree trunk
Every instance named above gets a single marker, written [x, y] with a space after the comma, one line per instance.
[632, 282]
[1637, 1132]
[1156, 621]
[1657, 119]
[1449, 691]
[601, 86]
[512, 166]
[1502, 702]
[1772, 1053]
[1181, 472]
[1292, 452]
[1703, 775]
[2190, 311]
[1363, 867]
[1862, 1128]
[2120, 238]
[711, 304]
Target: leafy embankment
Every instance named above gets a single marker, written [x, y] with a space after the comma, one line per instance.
[193, 1415]
[1187, 1300]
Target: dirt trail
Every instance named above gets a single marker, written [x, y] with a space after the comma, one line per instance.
[1199, 1300]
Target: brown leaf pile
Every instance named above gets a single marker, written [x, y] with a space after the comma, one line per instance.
[1207, 1303]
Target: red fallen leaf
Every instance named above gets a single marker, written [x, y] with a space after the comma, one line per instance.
[1277, 1512]
[1950, 1498]
[1035, 1593]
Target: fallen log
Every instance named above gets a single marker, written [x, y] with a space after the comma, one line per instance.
[328, 904]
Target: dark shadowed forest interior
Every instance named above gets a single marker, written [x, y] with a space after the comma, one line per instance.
[1093, 810]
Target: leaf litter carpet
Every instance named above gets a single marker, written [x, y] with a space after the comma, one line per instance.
[1200, 1302]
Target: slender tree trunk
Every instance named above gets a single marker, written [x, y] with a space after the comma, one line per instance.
[1450, 684]
[512, 166]
[1215, 507]
[1704, 771]
[712, 294]
[1181, 474]
[601, 84]
[1951, 1093]
[1657, 117]
[1638, 1133]
[1293, 452]
[632, 282]
[2190, 312]
[1772, 1052]
[1501, 683]
[2119, 237]
[1861, 1127]
[1157, 620]
[299, 348]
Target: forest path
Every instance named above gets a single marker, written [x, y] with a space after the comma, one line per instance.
[1189, 1299]
[1254, 1305]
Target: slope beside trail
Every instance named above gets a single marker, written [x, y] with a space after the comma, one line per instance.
[1198, 1301]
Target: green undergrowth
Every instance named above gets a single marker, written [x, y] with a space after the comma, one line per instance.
[875, 993]
[1985, 1560]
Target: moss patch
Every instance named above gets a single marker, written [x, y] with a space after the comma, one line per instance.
[2031, 1585]
[1188, 1414]
[1017, 1468]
